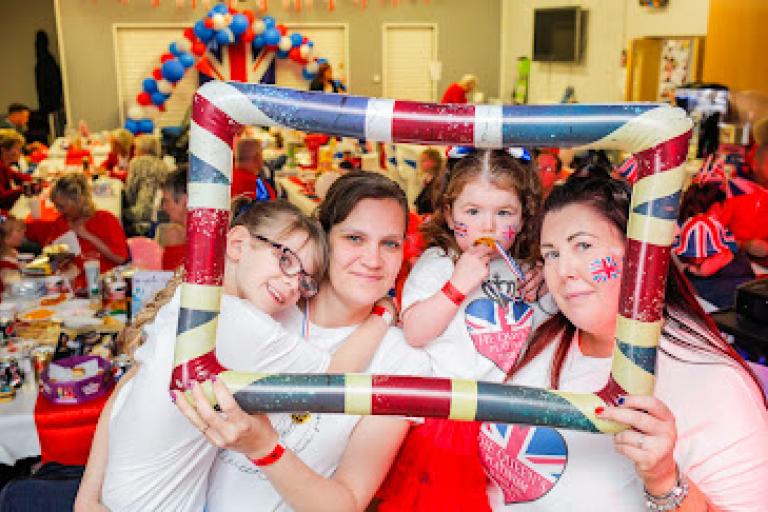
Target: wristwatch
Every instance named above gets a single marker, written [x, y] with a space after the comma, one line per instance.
[671, 500]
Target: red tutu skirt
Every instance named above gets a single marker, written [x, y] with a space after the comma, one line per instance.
[438, 468]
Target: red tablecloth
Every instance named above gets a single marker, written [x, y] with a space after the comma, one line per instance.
[66, 431]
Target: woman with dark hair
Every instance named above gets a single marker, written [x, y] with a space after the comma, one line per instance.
[319, 461]
[700, 443]
[324, 81]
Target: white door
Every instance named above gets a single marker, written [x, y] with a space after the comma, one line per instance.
[331, 43]
[138, 48]
[409, 50]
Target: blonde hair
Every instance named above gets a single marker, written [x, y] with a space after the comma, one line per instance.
[147, 145]
[503, 171]
[122, 140]
[9, 138]
[76, 188]
[468, 81]
[7, 224]
[276, 218]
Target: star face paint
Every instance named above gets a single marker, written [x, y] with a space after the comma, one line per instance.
[604, 269]
[509, 233]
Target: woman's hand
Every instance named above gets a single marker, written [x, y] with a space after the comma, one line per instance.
[534, 285]
[472, 268]
[389, 304]
[232, 428]
[78, 226]
[650, 440]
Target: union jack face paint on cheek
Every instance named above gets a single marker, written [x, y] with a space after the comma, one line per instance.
[604, 269]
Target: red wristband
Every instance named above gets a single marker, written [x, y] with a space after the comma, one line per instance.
[453, 294]
[270, 458]
[383, 313]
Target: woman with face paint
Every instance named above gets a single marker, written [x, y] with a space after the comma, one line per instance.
[466, 303]
[700, 443]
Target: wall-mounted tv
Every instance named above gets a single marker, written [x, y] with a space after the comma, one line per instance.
[559, 34]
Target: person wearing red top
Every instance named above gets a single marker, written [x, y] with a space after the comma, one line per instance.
[249, 167]
[97, 231]
[457, 91]
[120, 153]
[10, 152]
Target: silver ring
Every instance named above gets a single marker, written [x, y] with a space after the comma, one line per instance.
[641, 441]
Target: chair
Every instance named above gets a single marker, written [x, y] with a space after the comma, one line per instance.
[146, 254]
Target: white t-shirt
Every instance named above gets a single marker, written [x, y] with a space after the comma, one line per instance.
[157, 459]
[317, 439]
[722, 445]
[488, 333]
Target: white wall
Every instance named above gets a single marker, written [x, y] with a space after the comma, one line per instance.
[599, 77]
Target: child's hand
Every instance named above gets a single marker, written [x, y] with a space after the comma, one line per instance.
[534, 285]
[472, 268]
[389, 304]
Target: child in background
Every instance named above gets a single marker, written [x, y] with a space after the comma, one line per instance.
[120, 153]
[465, 303]
[148, 456]
[11, 236]
[430, 169]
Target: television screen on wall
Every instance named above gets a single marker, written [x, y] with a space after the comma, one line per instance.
[558, 34]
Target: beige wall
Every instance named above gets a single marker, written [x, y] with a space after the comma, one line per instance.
[468, 32]
[599, 76]
[19, 20]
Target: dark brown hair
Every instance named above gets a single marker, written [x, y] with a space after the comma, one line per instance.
[698, 198]
[352, 188]
[682, 313]
[502, 170]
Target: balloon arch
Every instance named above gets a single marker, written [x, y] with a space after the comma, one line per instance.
[250, 42]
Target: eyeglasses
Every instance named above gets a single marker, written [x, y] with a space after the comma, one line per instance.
[290, 265]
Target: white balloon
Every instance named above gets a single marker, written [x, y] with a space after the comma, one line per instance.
[184, 44]
[285, 43]
[312, 67]
[164, 86]
[219, 21]
[258, 27]
[303, 51]
[136, 112]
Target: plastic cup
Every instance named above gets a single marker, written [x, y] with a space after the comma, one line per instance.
[91, 267]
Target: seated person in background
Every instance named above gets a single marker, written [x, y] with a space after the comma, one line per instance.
[249, 167]
[120, 152]
[97, 231]
[145, 174]
[11, 236]
[172, 236]
[706, 249]
[17, 119]
[10, 179]
[430, 171]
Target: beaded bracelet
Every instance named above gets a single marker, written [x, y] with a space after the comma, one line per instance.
[671, 500]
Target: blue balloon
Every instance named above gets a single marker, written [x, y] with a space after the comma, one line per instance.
[172, 70]
[271, 36]
[307, 75]
[269, 21]
[146, 126]
[187, 60]
[239, 24]
[322, 60]
[310, 44]
[149, 85]
[281, 54]
[202, 32]
[174, 49]
[258, 42]
[225, 37]
[296, 39]
[219, 9]
[158, 98]
[132, 126]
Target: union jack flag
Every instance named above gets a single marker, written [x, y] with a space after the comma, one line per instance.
[239, 62]
[499, 333]
[628, 169]
[525, 462]
[604, 269]
[702, 236]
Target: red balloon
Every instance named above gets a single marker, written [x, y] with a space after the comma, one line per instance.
[302, 61]
[208, 22]
[248, 35]
[157, 74]
[198, 48]
[281, 28]
[189, 34]
[304, 40]
[161, 107]
[294, 54]
[166, 57]
[249, 14]
[143, 98]
[232, 10]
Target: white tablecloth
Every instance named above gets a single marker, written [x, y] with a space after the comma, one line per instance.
[99, 152]
[18, 434]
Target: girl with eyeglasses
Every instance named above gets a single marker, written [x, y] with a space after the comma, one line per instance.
[146, 455]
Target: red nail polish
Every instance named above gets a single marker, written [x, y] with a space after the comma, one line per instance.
[599, 410]
[173, 396]
[213, 378]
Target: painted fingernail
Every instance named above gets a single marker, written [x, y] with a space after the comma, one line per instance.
[173, 396]
[620, 401]
[213, 378]
[599, 410]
